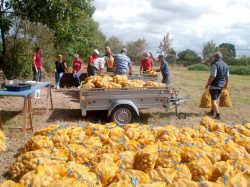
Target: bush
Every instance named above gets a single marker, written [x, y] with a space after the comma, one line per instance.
[239, 70]
[198, 67]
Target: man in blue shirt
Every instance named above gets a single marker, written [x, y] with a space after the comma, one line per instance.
[164, 69]
[217, 80]
[122, 63]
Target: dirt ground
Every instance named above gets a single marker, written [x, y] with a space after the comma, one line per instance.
[66, 110]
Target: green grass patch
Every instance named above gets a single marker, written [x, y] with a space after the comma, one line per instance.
[198, 67]
[239, 70]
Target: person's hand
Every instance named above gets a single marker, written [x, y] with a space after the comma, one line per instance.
[130, 73]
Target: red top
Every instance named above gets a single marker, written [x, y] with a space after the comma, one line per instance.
[77, 64]
[91, 60]
[38, 60]
[147, 64]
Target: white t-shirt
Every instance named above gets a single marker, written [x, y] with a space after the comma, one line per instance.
[99, 63]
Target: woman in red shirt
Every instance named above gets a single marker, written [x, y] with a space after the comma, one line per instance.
[37, 65]
[77, 72]
[147, 63]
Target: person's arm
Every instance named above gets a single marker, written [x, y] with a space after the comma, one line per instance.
[65, 66]
[210, 79]
[130, 69]
[34, 62]
[226, 79]
[152, 64]
[141, 67]
[212, 76]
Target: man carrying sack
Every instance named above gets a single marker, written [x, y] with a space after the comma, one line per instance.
[217, 80]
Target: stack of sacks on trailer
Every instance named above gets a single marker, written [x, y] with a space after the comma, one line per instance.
[118, 81]
[210, 154]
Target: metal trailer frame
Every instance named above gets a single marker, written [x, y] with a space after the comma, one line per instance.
[127, 101]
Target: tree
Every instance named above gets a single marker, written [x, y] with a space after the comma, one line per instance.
[209, 48]
[75, 30]
[227, 50]
[114, 43]
[165, 44]
[230, 49]
[6, 16]
[20, 45]
[136, 49]
[171, 57]
[188, 57]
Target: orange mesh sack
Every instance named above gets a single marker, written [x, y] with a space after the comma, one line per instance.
[205, 99]
[225, 100]
[3, 147]
[10, 183]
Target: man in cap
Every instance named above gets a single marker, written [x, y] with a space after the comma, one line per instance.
[164, 69]
[217, 80]
[122, 63]
[92, 69]
[147, 63]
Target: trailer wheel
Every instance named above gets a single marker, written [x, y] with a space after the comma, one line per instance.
[182, 116]
[123, 114]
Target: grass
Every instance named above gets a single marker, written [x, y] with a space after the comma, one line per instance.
[198, 67]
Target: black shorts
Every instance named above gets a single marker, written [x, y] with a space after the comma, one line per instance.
[215, 93]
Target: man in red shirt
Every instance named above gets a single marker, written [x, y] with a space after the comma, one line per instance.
[92, 58]
[147, 63]
[77, 72]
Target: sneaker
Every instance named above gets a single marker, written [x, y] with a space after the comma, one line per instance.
[217, 116]
[211, 113]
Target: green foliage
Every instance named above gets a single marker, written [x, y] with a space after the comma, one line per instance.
[188, 57]
[229, 49]
[242, 61]
[165, 44]
[114, 43]
[209, 48]
[239, 70]
[198, 67]
[75, 30]
[21, 43]
[136, 49]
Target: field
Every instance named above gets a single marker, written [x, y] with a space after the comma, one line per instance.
[189, 84]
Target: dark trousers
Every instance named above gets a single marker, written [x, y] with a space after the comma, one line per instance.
[91, 71]
[37, 75]
[166, 79]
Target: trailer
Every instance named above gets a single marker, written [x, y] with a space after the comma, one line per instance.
[123, 104]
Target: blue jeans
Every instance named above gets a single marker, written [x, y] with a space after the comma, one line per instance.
[58, 77]
[76, 78]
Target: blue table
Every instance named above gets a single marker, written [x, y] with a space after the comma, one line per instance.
[27, 95]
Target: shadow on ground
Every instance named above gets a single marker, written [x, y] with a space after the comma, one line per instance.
[74, 115]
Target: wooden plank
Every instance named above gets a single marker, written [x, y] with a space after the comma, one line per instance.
[25, 111]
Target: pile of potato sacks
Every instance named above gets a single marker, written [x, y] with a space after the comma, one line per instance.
[93, 155]
[3, 146]
[118, 81]
[151, 72]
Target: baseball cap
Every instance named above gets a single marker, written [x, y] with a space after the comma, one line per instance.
[161, 56]
[124, 50]
[96, 52]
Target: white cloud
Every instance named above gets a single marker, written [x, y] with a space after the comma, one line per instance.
[190, 23]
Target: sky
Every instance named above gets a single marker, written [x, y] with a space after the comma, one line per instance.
[190, 23]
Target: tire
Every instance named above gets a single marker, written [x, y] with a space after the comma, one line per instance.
[123, 114]
[182, 116]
